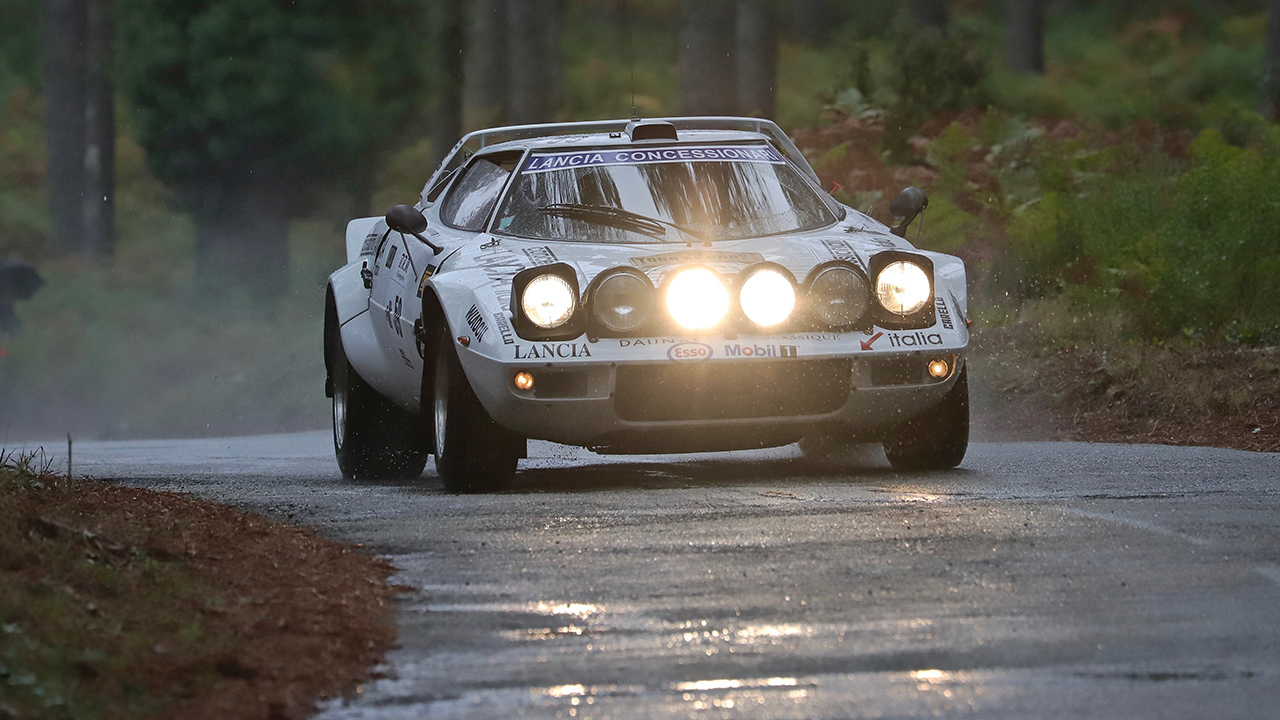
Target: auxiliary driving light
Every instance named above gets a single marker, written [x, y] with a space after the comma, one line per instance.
[767, 297]
[902, 287]
[523, 381]
[839, 296]
[548, 301]
[623, 302]
[697, 299]
[939, 368]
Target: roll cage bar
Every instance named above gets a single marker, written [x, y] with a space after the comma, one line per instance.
[491, 136]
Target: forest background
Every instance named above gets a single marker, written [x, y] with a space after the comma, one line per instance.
[181, 173]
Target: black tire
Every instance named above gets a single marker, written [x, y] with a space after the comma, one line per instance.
[373, 439]
[937, 439]
[474, 454]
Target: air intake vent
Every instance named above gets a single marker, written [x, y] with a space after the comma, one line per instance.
[651, 131]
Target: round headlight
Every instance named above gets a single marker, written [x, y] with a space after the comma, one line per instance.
[548, 301]
[697, 299]
[623, 302]
[902, 287]
[767, 297]
[839, 296]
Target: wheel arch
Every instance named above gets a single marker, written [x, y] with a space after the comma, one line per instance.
[332, 336]
[428, 339]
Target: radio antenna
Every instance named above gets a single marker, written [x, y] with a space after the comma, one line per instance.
[631, 51]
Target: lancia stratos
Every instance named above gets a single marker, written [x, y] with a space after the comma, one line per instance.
[660, 286]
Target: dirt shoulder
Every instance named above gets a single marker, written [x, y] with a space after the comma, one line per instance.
[117, 602]
[1029, 387]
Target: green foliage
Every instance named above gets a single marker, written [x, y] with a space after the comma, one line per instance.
[1183, 248]
[19, 46]
[936, 72]
[299, 92]
[599, 78]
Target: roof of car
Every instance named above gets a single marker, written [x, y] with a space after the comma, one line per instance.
[605, 133]
[604, 139]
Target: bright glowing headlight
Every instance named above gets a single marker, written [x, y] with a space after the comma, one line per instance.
[623, 302]
[767, 297]
[902, 287]
[839, 296]
[697, 299]
[548, 301]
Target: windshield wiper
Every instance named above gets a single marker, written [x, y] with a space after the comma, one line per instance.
[619, 218]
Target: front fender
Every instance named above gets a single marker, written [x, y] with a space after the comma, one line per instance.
[350, 296]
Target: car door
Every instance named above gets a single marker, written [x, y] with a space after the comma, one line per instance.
[395, 277]
[398, 282]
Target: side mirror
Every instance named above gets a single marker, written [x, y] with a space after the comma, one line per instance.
[410, 220]
[407, 219]
[907, 205]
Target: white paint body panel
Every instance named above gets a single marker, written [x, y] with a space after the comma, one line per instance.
[473, 280]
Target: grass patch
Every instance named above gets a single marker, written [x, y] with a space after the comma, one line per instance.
[125, 603]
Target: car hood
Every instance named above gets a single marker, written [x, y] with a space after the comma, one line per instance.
[503, 256]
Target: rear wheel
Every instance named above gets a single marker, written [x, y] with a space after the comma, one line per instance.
[937, 439]
[373, 439]
[473, 453]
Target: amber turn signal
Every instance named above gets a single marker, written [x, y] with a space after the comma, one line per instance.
[524, 381]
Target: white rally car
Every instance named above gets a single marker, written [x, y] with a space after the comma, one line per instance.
[658, 286]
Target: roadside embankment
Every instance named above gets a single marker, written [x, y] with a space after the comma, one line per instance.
[117, 602]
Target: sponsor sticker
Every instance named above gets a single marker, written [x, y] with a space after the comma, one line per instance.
[695, 257]
[944, 315]
[476, 322]
[552, 351]
[499, 265]
[761, 351]
[370, 243]
[540, 256]
[812, 337]
[902, 340]
[703, 153]
[690, 352]
[504, 328]
[915, 339]
[841, 250]
[426, 275]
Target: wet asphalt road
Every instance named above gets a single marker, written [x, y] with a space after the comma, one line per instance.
[1041, 580]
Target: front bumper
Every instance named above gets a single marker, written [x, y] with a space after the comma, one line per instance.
[656, 407]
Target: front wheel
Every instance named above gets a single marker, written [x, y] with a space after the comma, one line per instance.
[373, 439]
[473, 453]
[937, 439]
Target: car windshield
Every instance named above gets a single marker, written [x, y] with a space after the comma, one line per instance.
[682, 194]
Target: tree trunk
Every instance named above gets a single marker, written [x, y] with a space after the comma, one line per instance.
[757, 55]
[63, 55]
[242, 240]
[533, 60]
[448, 25]
[1025, 48]
[812, 19]
[100, 130]
[1269, 107]
[707, 35]
[484, 92]
[930, 14]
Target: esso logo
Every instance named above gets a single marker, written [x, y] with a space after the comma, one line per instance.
[689, 352]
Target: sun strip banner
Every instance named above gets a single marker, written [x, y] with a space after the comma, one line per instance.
[706, 153]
